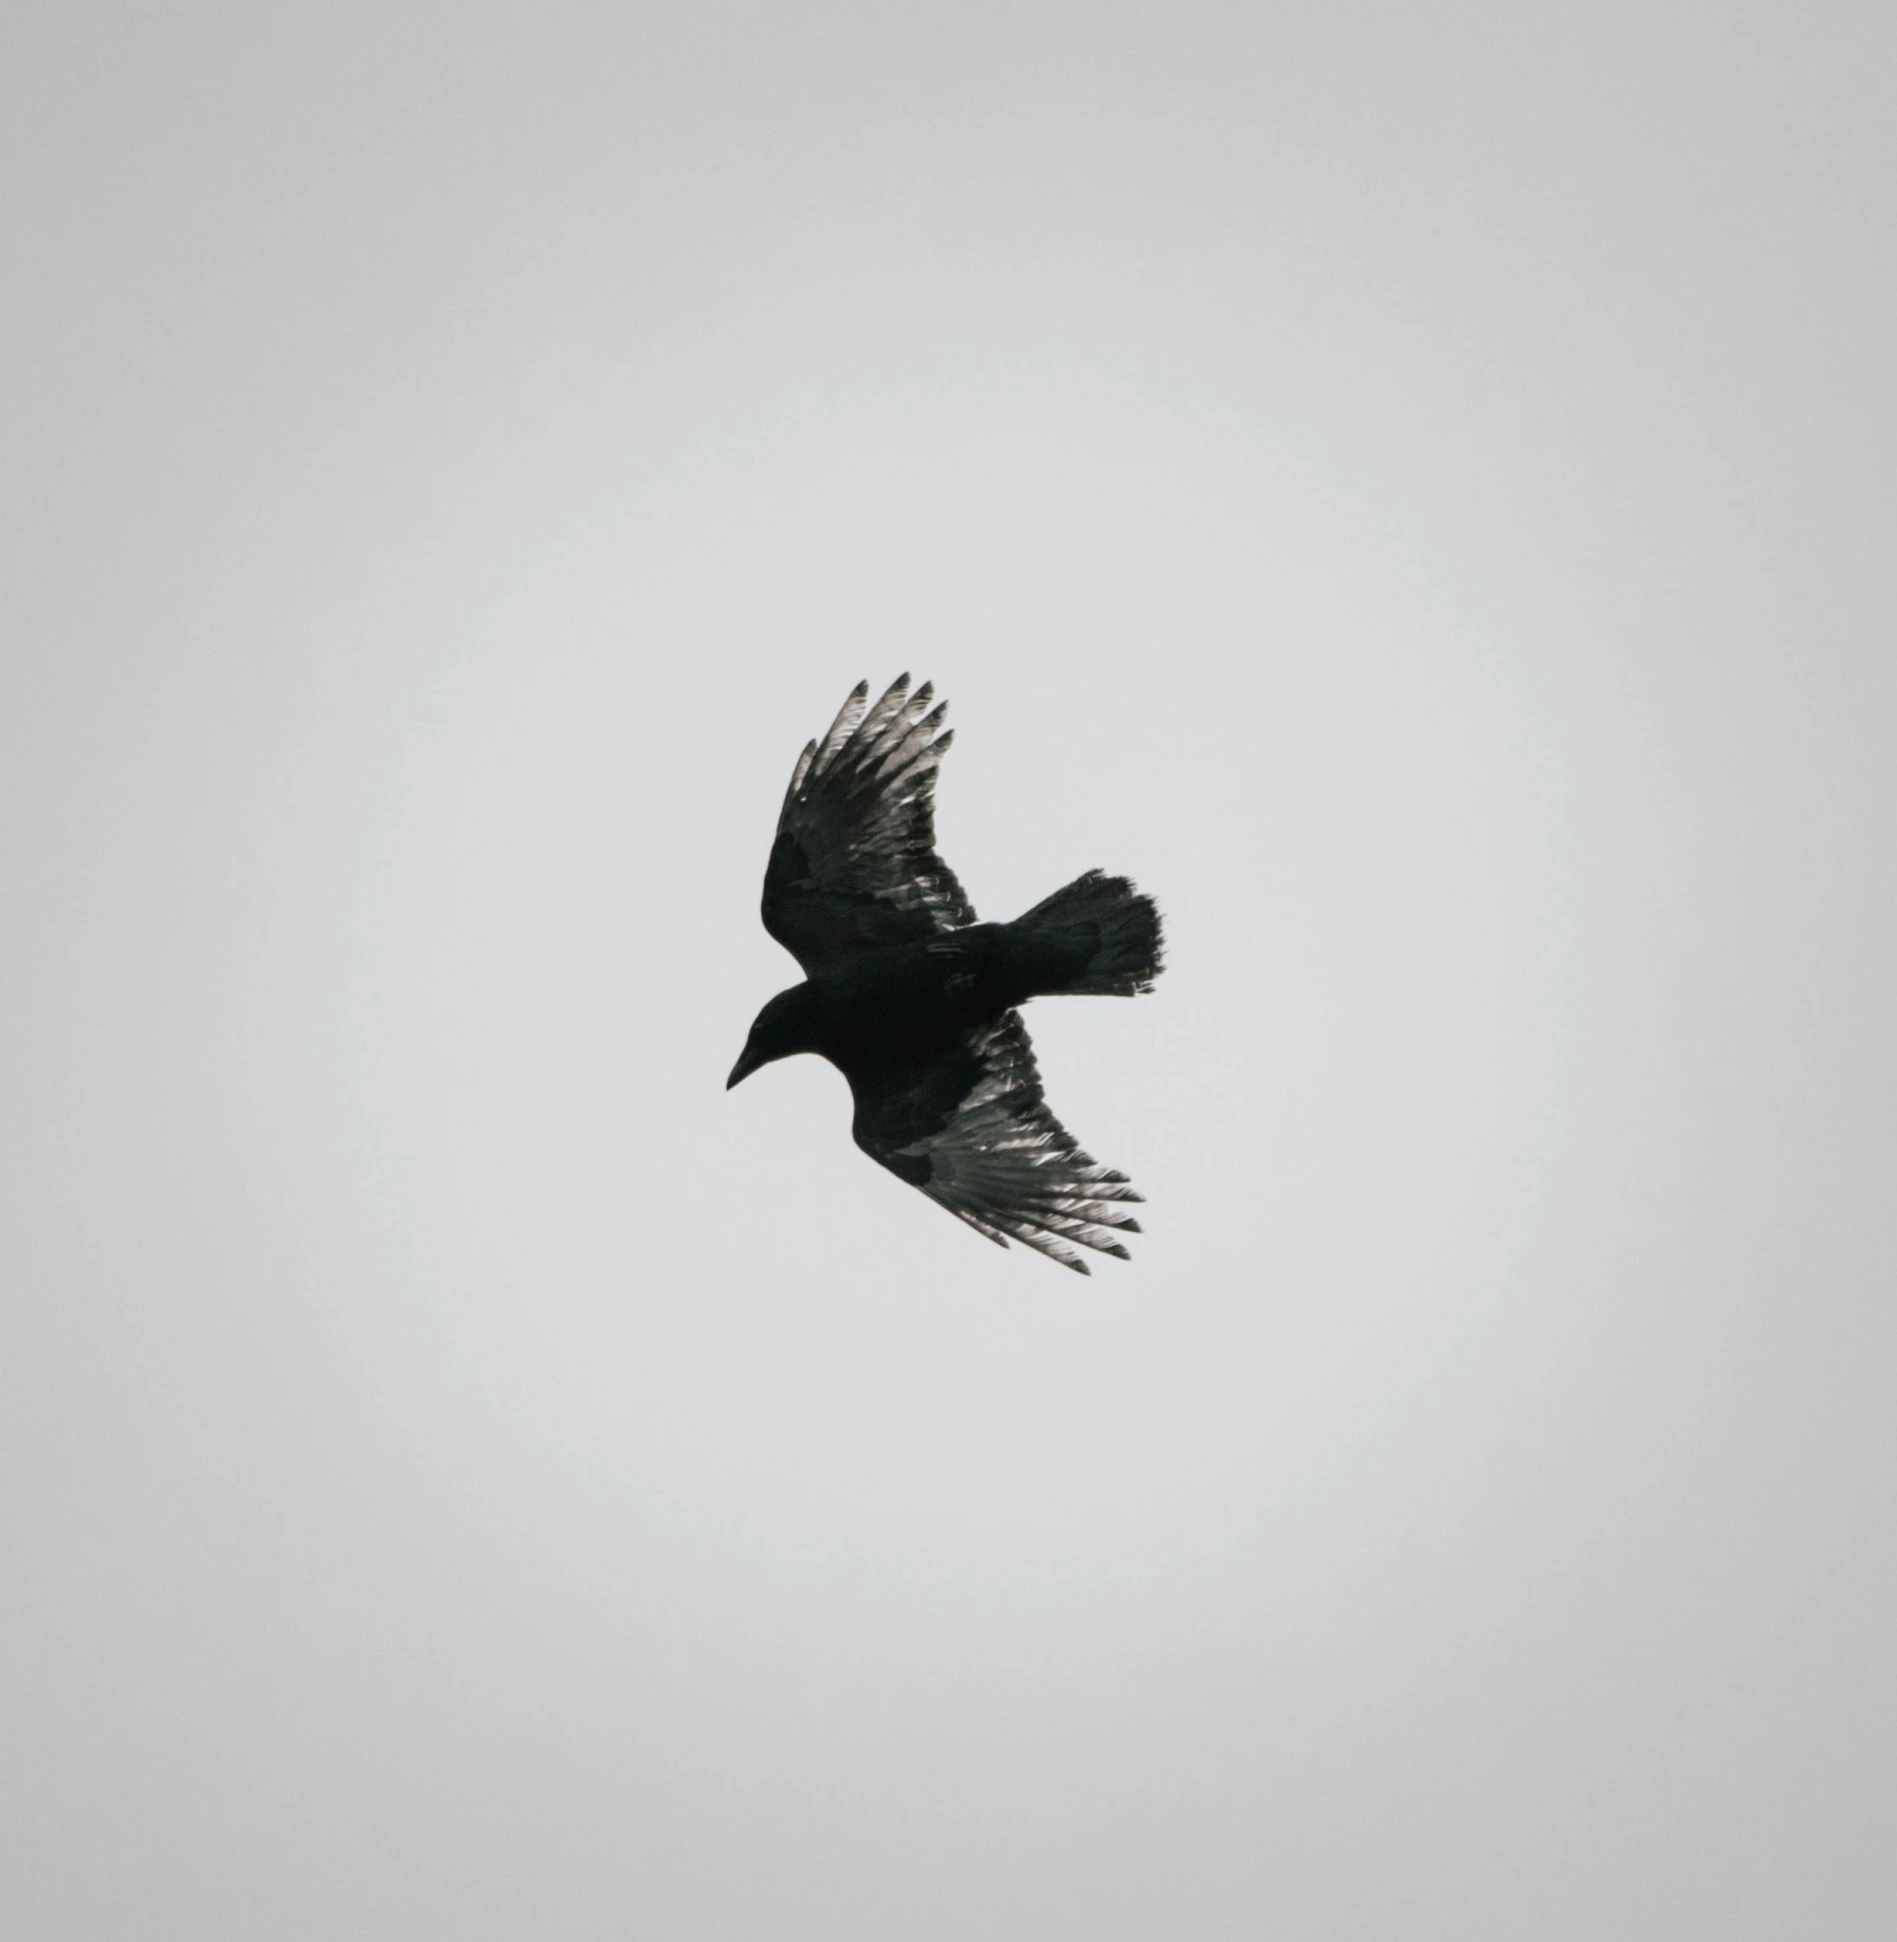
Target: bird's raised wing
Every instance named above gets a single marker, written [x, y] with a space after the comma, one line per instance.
[975, 1134]
[854, 865]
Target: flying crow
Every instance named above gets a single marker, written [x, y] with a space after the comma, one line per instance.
[915, 1002]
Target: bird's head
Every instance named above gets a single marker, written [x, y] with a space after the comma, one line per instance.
[782, 1028]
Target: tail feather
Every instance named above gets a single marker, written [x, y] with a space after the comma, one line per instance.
[1110, 931]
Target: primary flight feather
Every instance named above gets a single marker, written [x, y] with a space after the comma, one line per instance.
[916, 1003]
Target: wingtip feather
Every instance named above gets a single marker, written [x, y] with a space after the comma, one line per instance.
[852, 711]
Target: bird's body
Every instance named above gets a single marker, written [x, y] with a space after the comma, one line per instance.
[905, 1002]
[917, 1004]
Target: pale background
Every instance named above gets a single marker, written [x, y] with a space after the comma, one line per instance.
[1414, 486]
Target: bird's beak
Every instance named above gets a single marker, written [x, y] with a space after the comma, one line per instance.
[745, 1066]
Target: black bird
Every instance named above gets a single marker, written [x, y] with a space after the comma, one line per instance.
[914, 1002]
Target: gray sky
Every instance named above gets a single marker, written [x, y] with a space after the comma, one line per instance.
[1412, 486]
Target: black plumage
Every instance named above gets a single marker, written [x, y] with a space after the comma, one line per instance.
[917, 1004]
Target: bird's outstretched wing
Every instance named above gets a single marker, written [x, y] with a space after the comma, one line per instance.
[975, 1134]
[854, 865]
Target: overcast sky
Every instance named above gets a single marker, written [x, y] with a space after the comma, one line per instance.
[1414, 486]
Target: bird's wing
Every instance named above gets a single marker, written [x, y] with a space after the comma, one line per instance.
[975, 1134]
[854, 865]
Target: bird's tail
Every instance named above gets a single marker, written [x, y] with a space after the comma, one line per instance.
[1105, 932]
